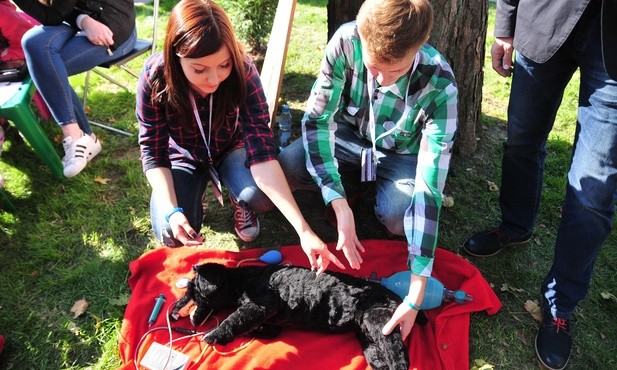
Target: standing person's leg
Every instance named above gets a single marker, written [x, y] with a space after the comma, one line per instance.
[244, 193]
[589, 205]
[537, 91]
[189, 186]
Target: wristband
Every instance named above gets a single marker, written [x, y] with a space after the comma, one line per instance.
[176, 209]
[409, 303]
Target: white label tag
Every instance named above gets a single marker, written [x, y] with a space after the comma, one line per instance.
[158, 357]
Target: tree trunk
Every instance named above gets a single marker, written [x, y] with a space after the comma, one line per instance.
[459, 34]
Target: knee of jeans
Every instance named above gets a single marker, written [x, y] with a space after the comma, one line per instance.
[392, 222]
[256, 199]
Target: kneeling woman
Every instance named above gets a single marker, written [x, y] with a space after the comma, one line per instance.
[203, 117]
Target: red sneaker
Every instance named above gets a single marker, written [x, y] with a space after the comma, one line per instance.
[246, 222]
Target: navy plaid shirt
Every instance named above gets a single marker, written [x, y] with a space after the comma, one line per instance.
[163, 141]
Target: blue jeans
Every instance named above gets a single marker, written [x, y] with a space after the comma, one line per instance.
[190, 185]
[589, 205]
[54, 53]
[395, 175]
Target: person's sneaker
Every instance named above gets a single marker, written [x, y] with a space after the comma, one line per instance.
[490, 242]
[554, 342]
[246, 222]
[77, 153]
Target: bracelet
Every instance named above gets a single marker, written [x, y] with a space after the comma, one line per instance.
[409, 303]
[176, 209]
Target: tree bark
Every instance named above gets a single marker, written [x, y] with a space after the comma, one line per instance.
[459, 33]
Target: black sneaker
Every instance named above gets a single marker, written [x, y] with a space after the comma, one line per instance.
[554, 342]
[490, 242]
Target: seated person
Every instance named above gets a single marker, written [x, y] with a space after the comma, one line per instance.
[13, 25]
[75, 36]
[383, 110]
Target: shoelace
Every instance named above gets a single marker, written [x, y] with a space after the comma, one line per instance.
[243, 216]
[560, 324]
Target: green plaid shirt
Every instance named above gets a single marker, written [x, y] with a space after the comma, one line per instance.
[426, 122]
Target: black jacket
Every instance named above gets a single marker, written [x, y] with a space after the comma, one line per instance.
[118, 15]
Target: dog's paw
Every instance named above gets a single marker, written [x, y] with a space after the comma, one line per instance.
[218, 336]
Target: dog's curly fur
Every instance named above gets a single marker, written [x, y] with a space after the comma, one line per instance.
[267, 298]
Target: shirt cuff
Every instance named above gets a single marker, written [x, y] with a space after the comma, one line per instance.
[422, 266]
[79, 19]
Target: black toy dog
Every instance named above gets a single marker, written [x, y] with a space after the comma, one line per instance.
[270, 297]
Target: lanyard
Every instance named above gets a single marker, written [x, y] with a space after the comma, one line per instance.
[200, 125]
[370, 83]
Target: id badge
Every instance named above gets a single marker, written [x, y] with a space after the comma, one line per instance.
[369, 165]
[217, 190]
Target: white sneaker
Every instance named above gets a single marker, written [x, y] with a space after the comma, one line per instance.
[77, 153]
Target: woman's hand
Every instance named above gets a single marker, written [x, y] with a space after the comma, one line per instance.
[97, 32]
[183, 231]
[317, 252]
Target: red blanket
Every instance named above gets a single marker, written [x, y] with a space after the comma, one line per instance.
[443, 343]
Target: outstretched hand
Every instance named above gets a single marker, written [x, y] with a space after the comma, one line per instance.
[348, 240]
[404, 317]
[318, 253]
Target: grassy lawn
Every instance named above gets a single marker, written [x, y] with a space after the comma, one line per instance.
[73, 239]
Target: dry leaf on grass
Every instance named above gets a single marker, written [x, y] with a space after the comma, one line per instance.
[480, 364]
[79, 307]
[101, 180]
[609, 296]
[511, 289]
[448, 201]
[534, 310]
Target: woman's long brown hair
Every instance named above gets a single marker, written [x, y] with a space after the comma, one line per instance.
[197, 28]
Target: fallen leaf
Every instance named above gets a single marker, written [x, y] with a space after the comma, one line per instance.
[480, 364]
[74, 328]
[492, 186]
[448, 201]
[101, 180]
[609, 296]
[534, 309]
[122, 300]
[511, 289]
[79, 307]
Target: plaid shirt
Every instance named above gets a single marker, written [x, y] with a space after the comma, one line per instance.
[418, 114]
[163, 141]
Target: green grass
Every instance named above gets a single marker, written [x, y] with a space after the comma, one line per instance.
[74, 239]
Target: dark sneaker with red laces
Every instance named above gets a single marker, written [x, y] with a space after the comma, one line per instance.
[490, 242]
[246, 222]
[554, 342]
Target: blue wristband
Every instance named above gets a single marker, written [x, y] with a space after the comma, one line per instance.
[407, 301]
[177, 209]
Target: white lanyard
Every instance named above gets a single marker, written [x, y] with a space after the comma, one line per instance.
[370, 83]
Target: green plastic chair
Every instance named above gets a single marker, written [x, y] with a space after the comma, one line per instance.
[17, 110]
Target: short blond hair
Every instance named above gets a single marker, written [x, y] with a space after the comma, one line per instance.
[392, 28]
